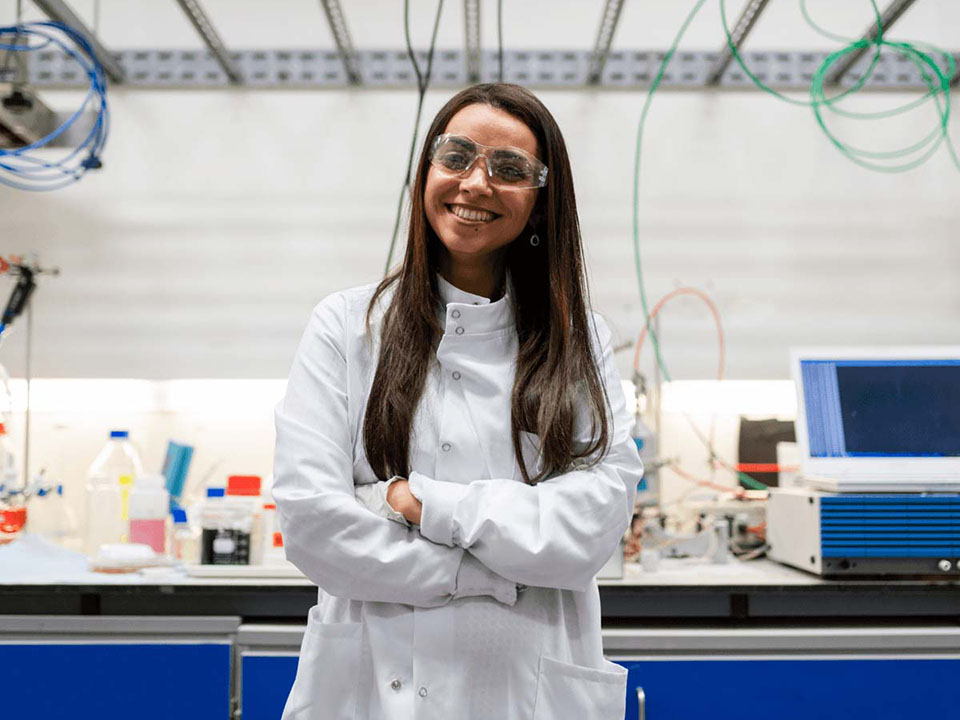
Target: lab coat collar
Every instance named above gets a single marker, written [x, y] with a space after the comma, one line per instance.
[475, 314]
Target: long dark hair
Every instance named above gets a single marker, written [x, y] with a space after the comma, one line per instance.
[556, 372]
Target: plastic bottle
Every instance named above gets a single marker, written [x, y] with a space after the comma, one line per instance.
[149, 505]
[109, 481]
[245, 503]
[104, 520]
[9, 477]
[212, 519]
[184, 541]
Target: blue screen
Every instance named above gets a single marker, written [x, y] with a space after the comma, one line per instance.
[870, 408]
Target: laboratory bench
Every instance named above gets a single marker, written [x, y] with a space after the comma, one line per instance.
[752, 637]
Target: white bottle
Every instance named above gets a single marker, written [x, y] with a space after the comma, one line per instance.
[148, 509]
[109, 481]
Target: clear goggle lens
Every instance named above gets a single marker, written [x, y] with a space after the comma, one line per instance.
[507, 167]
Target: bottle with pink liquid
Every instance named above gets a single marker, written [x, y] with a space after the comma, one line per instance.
[149, 506]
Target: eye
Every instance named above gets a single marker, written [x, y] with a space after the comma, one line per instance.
[513, 172]
[454, 160]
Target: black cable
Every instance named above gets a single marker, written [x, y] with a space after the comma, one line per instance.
[499, 40]
[423, 81]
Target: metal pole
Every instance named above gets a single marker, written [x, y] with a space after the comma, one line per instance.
[341, 36]
[59, 11]
[889, 16]
[601, 48]
[471, 22]
[200, 21]
[748, 18]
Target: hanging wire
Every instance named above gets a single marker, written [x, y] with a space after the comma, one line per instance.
[20, 168]
[423, 82]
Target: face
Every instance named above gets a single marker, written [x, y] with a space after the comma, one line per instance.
[490, 217]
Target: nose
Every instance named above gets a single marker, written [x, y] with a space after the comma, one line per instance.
[476, 178]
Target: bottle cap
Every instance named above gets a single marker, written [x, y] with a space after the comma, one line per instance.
[215, 492]
[243, 485]
[119, 434]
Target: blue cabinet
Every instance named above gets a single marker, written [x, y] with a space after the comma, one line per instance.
[96, 680]
[265, 683]
[794, 689]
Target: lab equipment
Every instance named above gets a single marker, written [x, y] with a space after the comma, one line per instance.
[9, 476]
[119, 463]
[176, 464]
[226, 525]
[185, 541]
[864, 534]
[879, 419]
[149, 506]
[50, 516]
[104, 522]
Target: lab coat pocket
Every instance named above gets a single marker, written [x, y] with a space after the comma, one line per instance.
[328, 672]
[574, 692]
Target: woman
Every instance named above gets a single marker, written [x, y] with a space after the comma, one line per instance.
[454, 461]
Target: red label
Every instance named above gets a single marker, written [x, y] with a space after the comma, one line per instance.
[277, 540]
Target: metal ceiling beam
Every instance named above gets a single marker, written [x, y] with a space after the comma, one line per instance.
[338, 26]
[608, 26]
[748, 18]
[888, 17]
[471, 24]
[198, 18]
[59, 11]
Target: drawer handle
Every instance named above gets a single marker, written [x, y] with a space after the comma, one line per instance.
[641, 704]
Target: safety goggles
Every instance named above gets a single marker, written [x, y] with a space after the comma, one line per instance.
[507, 167]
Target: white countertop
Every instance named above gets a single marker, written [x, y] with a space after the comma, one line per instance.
[31, 560]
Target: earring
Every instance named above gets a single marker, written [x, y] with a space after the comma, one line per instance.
[534, 240]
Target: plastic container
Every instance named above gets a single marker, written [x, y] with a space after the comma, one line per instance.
[118, 462]
[246, 508]
[148, 508]
[217, 543]
[104, 518]
[184, 540]
[9, 476]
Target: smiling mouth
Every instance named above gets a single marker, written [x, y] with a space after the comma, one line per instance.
[470, 215]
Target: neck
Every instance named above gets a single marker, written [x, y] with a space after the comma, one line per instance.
[484, 279]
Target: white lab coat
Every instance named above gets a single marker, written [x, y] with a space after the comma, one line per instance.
[425, 623]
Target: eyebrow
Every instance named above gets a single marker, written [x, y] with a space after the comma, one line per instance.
[510, 154]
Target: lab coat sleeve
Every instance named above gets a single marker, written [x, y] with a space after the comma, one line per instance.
[558, 533]
[336, 542]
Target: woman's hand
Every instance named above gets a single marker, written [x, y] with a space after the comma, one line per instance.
[402, 500]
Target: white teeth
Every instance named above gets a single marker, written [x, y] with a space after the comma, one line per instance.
[473, 215]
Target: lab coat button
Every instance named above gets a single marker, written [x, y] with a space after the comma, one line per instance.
[423, 692]
[455, 313]
[446, 447]
[396, 684]
[459, 331]
[456, 375]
